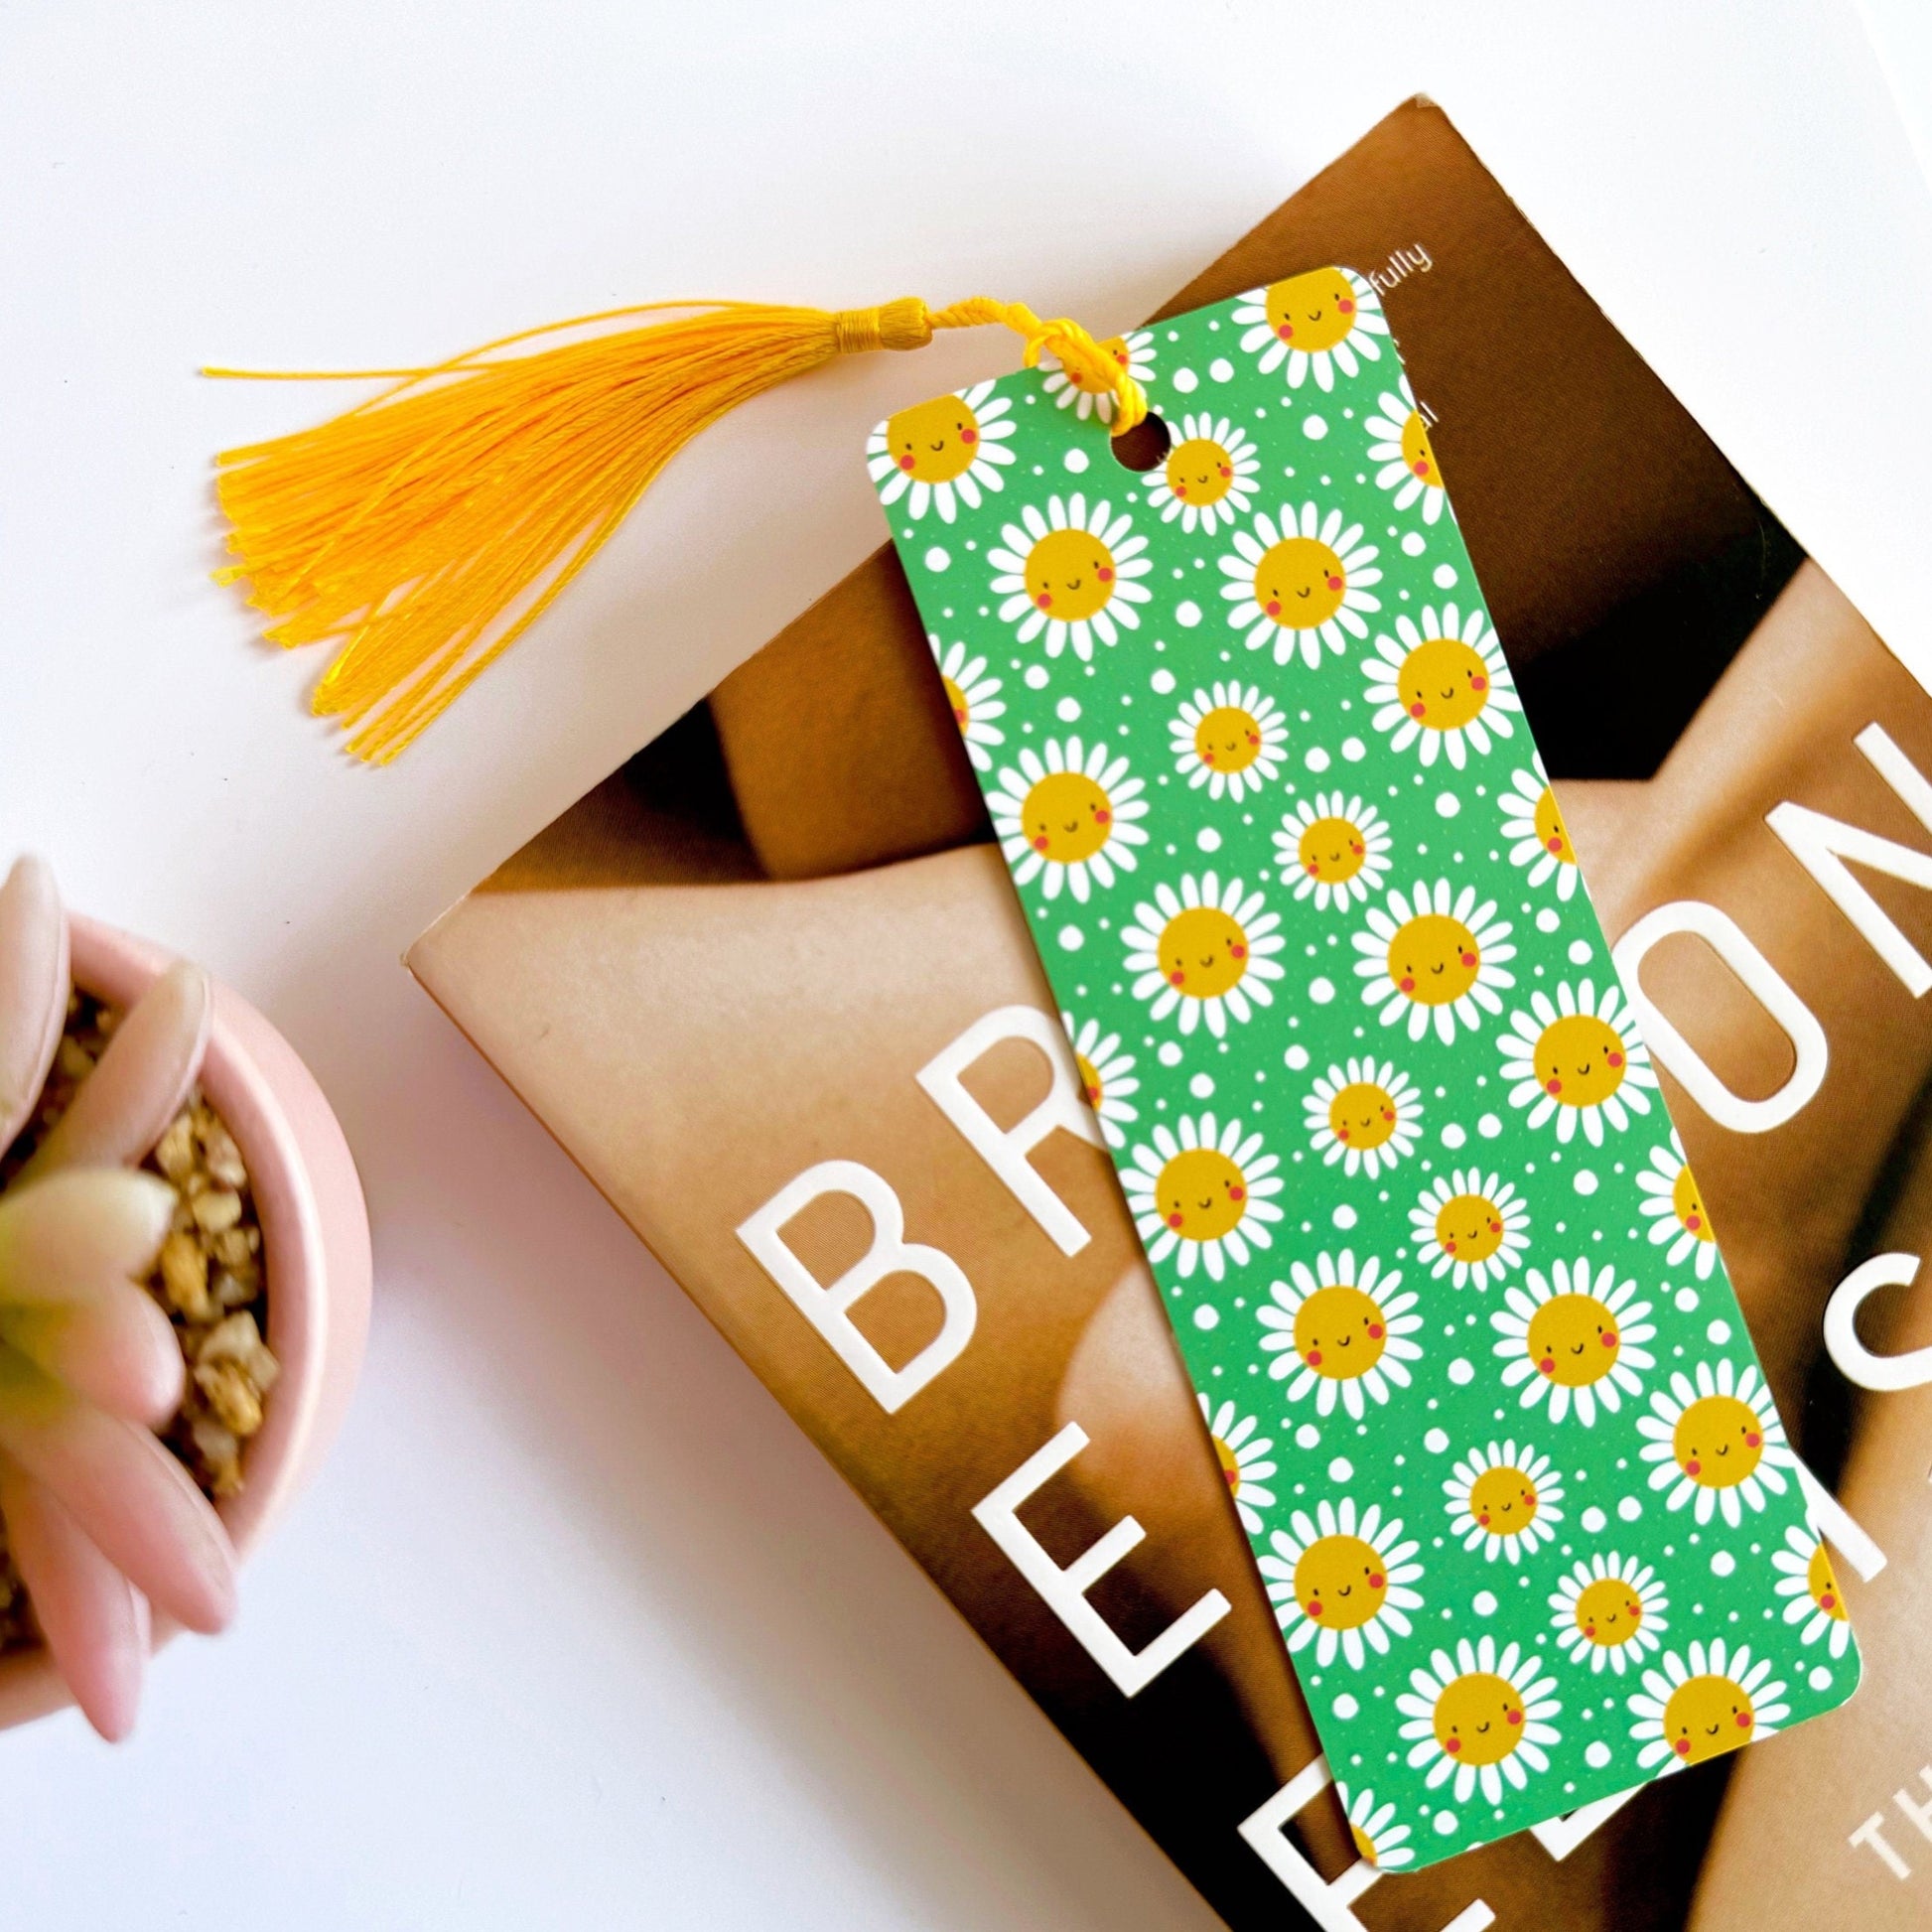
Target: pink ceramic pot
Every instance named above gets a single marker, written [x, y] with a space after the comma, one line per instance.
[316, 1236]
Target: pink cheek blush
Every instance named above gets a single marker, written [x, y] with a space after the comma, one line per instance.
[1045, 599]
[969, 437]
[1345, 307]
[1553, 1086]
[905, 463]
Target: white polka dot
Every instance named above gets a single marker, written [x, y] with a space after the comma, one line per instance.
[1718, 1332]
[1586, 1183]
[1462, 1372]
[1445, 1823]
[1343, 1217]
[1295, 1058]
[1308, 1435]
[1345, 1707]
[1414, 544]
[1221, 369]
[1186, 380]
[1068, 710]
[1207, 1315]
[1596, 1753]
[1489, 1126]
[1547, 921]
[1436, 1441]
[1687, 1300]
[1035, 677]
[1341, 1470]
[1629, 1509]
[1317, 759]
[1321, 991]
[1444, 577]
[1186, 613]
[937, 558]
[1820, 1679]
[1594, 1520]
[1169, 1054]
[1353, 750]
[1315, 427]
[1453, 1137]
[1579, 952]
[1483, 1603]
[1075, 460]
[1160, 683]
[1201, 1087]
[1071, 939]
[1722, 1564]
[1208, 839]
[1447, 804]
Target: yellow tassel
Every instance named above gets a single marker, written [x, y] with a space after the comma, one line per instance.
[425, 529]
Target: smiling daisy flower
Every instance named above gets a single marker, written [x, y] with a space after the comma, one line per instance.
[1718, 1702]
[1470, 1227]
[1436, 958]
[1134, 353]
[1716, 1442]
[1481, 1718]
[1378, 1838]
[1202, 1192]
[1336, 848]
[1608, 1611]
[1676, 1209]
[1534, 819]
[1809, 1584]
[1229, 739]
[941, 453]
[1204, 952]
[1106, 1077]
[1364, 1116]
[1301, 583]
[1316, 324]
[1208, 477]
[1341, 1582]
[1503, 1501]
[974, 697]
[1398, 442]
[1578, 1059]
[1440, 686]
[1340, 1335]
[1244, 1458]
[1068, 817]
[1577, 1337]
[1070, 574]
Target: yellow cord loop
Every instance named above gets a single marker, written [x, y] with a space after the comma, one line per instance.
[425, 530]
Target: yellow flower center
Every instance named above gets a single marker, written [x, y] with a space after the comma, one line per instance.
[1717, 1441]
[1573, 1340]
[1443, 684]
[1340, 1332]
[934, 442]
[1090, 1082]
[1311, 311]
[1552, 834]
[1479, 1719]
[1300, 583]
[1362, 1115]
[1340, 1582]
[1433, 959]
[1333, 851]
[1580, 1060]
[1416, 452]
[1202, 1194]
[1066, 817]
[962, 711]
[1689, 1204]
[1707, 1717]
[1230, 1467]
[1227, 738]
[1204, 952]
[1070, 574]
[1503, 1501]
[1469, 1227]
[1609, 1613]
[1199, 471]
[1821, 1580]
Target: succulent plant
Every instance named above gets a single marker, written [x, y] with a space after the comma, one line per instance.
[102, 1520]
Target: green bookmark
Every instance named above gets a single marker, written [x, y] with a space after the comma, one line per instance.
[1379, 1104]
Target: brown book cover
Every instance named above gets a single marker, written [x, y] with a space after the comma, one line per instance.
[731, 962]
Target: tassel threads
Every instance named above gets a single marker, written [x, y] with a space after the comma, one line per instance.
[427, 529]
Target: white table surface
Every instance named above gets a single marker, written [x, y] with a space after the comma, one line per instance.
[574, 1628]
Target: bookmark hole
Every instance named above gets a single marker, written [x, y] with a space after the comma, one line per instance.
[1142, 446]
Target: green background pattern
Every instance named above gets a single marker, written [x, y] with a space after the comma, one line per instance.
[1327, 443]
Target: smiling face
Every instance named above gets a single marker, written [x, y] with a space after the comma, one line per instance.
[1707, 1717]
[1066, 817]
[1416, 451]
[1069, 575]
[934, 442]
[1300, 582]
[1717, 1441]
[1311, 311]
[1688, 1203]
[1199, 471]
[1340, 1582]
[1332, 851]
[1204, 952]
[1503, 1501]
[1821, 1580]
[1227, 740]
[1340, 1332]
[1443, 683]
[1580, 1059]
[1574, 1339]
[1552, 834]
[1433, 959]
[1609, 1613]
[1469, 1227]
[1362, 1115]
[1479, 1719]
[1202, 1194]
